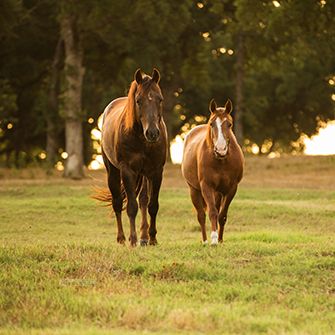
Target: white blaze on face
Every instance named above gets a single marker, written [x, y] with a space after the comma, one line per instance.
[221, 144]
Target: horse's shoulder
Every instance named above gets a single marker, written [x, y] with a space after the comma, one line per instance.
[195, 138]
[196, 133]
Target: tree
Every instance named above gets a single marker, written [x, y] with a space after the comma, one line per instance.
[52, 108]
[277, 69]
[26, 39]
[74, 73]
[287, 77]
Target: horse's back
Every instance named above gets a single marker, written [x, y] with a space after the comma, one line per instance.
[193, 142]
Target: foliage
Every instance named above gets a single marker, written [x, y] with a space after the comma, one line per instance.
[288, 61]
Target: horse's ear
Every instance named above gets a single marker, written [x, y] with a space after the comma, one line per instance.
[138, 76]
[228, 106]
[156, 76]
[212, 106]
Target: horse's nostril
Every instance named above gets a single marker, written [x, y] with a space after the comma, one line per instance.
[156, 133]
[152, 134]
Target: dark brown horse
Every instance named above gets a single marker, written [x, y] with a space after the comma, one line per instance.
[134, 145]
[213, 166]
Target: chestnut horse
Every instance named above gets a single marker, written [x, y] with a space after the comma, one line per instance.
[134, 147]
[213, 166]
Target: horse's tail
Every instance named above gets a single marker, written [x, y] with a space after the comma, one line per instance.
[103, 194]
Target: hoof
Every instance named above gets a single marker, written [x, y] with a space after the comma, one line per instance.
[143, 243]
[153, 242]
[214, 238]
[133, 241]
[204, 243]
[121, 240]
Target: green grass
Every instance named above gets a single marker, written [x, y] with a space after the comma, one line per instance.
[61, 271]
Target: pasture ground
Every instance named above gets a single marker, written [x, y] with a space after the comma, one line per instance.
[61, 271]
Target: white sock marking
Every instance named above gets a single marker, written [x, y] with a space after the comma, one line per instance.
[214, 238]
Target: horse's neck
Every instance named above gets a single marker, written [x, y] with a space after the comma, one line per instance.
[233, 139]
[135, 129]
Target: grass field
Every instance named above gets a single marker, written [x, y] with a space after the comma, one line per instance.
[61, 271]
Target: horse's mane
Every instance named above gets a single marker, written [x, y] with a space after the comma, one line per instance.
[208, 135]
[130, 108]
[209, 139]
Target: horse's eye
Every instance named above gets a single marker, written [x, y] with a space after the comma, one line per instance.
[212, 124]
[139, 102]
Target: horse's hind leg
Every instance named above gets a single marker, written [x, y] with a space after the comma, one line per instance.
[199, 204]
[143, 201]
[114, 184]
[224, 211]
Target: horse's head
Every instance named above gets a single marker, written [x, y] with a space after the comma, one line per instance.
[220, 123]
[148, 104]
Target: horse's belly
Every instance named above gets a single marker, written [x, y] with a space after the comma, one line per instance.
[109, 149]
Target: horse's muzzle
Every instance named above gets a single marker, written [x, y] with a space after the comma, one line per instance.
[152, 135]
[220, 154]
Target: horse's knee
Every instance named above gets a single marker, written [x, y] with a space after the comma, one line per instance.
[201, 216]
[222, 220]
[132, 208]
[153, 208]
[213, 214]
[117, 203]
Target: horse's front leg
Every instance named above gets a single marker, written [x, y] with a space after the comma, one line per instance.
[143, 202]
[224, 211]
[155, 185]
[209, 196]
[129, 183]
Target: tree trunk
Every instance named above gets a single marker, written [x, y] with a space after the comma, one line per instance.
[239, 90]
[74, 73]
[52, 117]
[168, 108]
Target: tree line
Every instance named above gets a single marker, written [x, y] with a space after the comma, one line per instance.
[62, 61]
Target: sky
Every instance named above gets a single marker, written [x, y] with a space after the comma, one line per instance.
[323, 143]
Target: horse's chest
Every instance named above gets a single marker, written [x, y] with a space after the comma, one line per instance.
[223, 183]
[153, 160]
[141, 160]
[220, 180]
